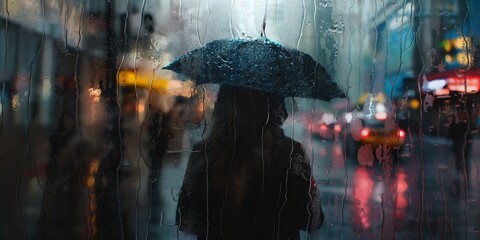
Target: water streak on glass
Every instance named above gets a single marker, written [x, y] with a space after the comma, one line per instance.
[300, 34]
[277, 3]
[125, 35]
[206, 21]
[30, 141]
[77, 113]
[149, 102]
[375, 50]
[464, 163]
[2, 100]
[230, 18]
[395, 79]
[139, 182]
[263, 156]
[394, 107]
[264, 22]
[62, 137]
[312, 158]
[117, 125]
[232, 159]
[382, 204]
[179, 9]
[206, 158]
[135, 60]
[444, 199]
[315, 26]
[289, 165]
[19, 204]
[312, 111]
[422, 153]
[137, 192]
[346, 183]
[30, 145]
[200, 42]
[65, 20]
[387, 49]
[410, 31]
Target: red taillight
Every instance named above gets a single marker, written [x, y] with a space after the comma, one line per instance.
[401, 133]
[365, 132]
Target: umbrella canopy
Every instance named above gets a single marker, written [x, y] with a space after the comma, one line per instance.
[259, 64]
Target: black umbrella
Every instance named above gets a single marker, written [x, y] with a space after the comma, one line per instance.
[259, 64]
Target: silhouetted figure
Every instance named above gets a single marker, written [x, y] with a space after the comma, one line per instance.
[247, 180]
[160, 133]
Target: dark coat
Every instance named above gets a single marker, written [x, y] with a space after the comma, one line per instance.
[252, 183]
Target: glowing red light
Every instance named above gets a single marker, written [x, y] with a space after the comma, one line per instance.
[362, 192]
[365, 132]
[337, 128]
[401, 133]
[458, 80]
[402, 197]
[313, 184]
[323, 127]
[458, 84]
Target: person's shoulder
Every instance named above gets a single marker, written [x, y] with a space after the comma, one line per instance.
[300, 164]
[290, 145]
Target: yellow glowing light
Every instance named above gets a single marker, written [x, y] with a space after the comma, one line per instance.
[161, 85]
[465, 58]
[130, 78]
[15, 102]
[414, 104]
[91, 173]
[141, 107]
[448, 58]
[461, 43]
[95, 93]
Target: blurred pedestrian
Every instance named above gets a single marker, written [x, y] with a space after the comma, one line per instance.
[247, 180]
[160, 133]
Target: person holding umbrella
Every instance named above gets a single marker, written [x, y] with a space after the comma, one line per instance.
[247, 180]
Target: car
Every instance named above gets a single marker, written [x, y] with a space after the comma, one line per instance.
[378, 135]
[328, 127]
[374, 132]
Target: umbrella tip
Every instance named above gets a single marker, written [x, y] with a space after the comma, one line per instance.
[170, 66]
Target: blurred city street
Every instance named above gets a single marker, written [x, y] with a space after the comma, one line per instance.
[104, 103]
[359, 202]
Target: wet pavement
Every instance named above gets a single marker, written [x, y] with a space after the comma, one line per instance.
[359, 202]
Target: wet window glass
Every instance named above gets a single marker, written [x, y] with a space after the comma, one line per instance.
[239, 119]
